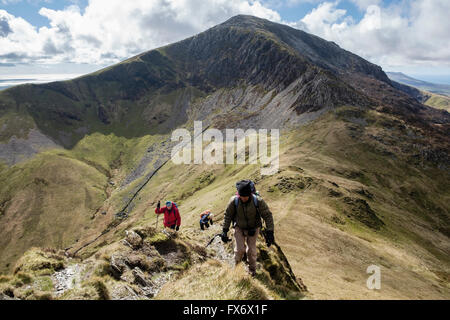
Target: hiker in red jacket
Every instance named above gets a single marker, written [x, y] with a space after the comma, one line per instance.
[172, 218]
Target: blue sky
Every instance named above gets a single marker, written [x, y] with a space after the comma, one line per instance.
[296, 11]
[79, 36]
[29, 10]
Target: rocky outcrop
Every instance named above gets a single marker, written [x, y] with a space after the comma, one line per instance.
[138, 266]
[134, 240]
[361, 211]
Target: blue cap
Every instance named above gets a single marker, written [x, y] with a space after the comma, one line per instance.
[168, 203]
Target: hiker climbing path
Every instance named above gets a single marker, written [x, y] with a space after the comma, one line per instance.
[146, 258]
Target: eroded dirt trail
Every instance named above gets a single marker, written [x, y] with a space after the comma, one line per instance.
[67, 279]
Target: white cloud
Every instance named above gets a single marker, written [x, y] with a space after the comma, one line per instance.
[326, 20]
[109, 30]
[408, 33]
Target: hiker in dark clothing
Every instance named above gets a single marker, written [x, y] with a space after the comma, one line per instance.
[172, 218]
[245, 210]
[206, 219]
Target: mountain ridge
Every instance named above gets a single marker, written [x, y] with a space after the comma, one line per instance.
[154, 72]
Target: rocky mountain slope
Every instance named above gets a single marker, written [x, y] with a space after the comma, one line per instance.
[364, 174]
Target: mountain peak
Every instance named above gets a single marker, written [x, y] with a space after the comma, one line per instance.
[318, 51]
[243, 20]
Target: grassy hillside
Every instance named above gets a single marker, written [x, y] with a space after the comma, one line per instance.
[339, 207]
[59, 196]
[356, 187]
[439, 102]
[345, 198]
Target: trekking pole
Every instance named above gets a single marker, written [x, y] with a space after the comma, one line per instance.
[212, 240]
[157, 216]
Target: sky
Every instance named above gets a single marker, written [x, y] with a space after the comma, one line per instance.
[63, 38]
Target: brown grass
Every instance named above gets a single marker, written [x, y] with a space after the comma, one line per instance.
[213, 280]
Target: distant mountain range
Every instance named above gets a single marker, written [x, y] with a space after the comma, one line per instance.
[419, 84]
[11, 80]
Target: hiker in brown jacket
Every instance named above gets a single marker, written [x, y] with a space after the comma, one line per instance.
[245, 210]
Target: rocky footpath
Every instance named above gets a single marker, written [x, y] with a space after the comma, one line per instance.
[137, 267]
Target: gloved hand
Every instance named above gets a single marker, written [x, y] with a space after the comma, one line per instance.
[159, 204]
[270, 239]
[224, 236]
[177, 228]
